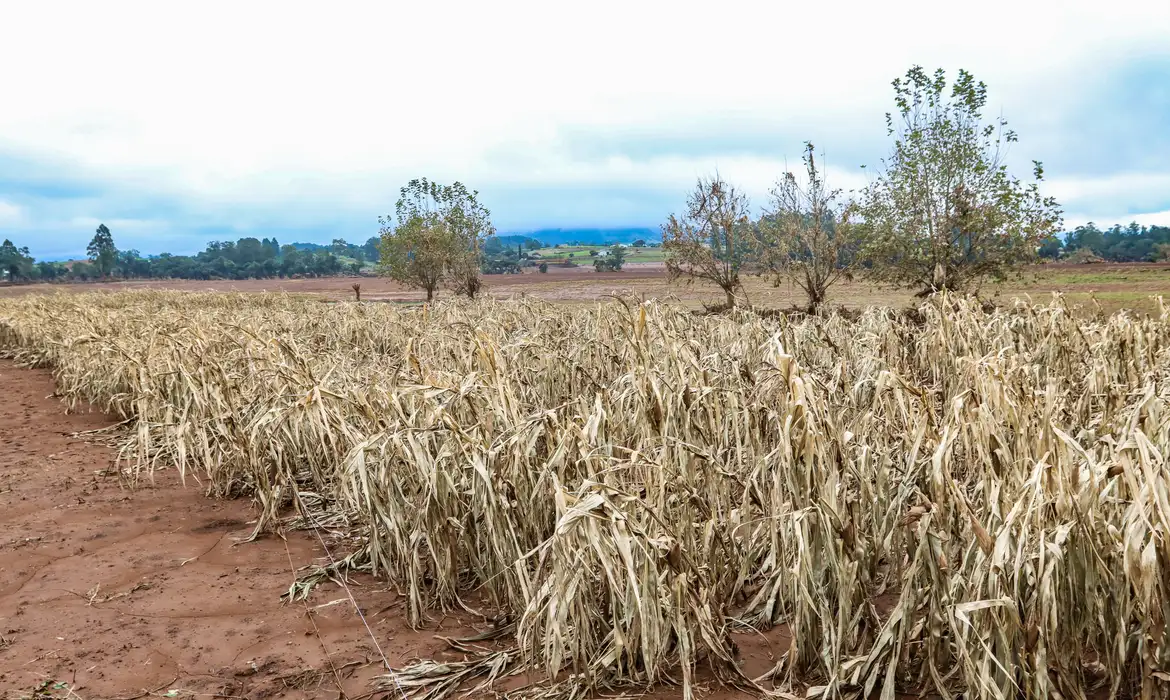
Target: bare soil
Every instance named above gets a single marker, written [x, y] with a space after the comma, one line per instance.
[373, 288]
[108, 592]
[1112, 286]
[111, 592]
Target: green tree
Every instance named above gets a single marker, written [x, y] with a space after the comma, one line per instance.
[437, 236]
[83, 271]
[714, 240]
[944, 213]
[612, 261]
[617, 257]
[50, 271]
[16, 263]
[1050, 248]
[102, 252]
[808, 239]
[417, 252]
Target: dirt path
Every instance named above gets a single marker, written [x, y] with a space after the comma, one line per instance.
[110, 593]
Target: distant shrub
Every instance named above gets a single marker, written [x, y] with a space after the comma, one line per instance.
[1084, 256]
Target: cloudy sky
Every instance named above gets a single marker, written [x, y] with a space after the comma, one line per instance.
[301, 120]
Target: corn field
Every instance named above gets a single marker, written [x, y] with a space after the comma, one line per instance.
[949, 500]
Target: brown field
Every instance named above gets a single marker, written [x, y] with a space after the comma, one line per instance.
[1113, 285]
[113, 592]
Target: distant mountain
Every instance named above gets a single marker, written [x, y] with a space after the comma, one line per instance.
[589, 236]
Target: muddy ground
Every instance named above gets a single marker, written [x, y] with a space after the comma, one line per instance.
[109, 592]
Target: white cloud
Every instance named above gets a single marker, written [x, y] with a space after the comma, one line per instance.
[278, 111]
[1108, 219]
[10, 214]
[1133, 185]
[1096, 199]
[1158, 218]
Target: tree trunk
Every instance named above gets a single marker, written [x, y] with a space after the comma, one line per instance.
[430, 293]
[815, 299]
[730, 298]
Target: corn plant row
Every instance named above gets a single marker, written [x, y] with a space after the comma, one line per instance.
[951, 500]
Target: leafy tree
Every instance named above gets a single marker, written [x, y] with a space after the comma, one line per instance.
[51, 271]
[83, 271]
[130, 263]
[102, 252]
[438, 236]
[1050, 249]
[612, 261]
[714, 240]
[1130, 243]
[271, 248]
[370, 248]
[808, 238]
[417, 251]
[16, 263]
[640, 243]
[290, 261]
[617, 257]
[944, 213]
[1087, 236]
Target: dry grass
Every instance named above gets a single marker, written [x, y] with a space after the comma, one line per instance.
[628, 483]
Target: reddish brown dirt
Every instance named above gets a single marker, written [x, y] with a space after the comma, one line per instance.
[379, 288]
[108, 592]
[116, 592]
[1114, 285]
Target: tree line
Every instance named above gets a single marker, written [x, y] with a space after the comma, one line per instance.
[246, 258]
[1132, 243]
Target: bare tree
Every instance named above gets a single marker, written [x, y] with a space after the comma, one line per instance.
[808, 238]
[714, 240]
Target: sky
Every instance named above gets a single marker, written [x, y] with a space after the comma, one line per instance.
[180, 123]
